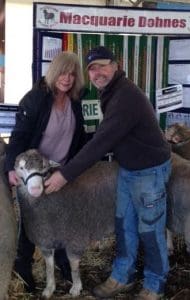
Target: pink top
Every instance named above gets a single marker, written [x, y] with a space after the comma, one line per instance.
[58, 135]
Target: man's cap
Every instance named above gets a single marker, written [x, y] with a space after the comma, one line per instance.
[99, 55]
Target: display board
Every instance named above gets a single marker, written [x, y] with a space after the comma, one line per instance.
[143, 57]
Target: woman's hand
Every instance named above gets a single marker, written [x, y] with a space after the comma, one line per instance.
[55, 182]
[13, 178]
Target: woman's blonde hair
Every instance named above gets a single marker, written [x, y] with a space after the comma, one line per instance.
[65, 62]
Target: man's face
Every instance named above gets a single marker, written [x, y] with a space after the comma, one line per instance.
[101, 75]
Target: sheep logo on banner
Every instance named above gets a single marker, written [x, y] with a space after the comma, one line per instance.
[48, 16]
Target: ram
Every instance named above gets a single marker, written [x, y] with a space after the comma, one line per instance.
[178, 219]
[80, 213]
[179, 202]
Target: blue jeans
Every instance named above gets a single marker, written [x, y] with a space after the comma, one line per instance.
[141, 216]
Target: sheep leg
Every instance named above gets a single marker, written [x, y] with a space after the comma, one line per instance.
[50, 276]
[187, 232]
[75, 273]
[170, 244]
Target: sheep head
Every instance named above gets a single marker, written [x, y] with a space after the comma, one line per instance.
[177, 133]
[32, 169]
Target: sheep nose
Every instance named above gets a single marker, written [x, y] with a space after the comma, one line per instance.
[35, 191]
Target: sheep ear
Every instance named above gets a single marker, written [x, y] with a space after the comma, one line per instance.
[54, 164]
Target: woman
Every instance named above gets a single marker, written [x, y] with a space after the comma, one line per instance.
[50, 119]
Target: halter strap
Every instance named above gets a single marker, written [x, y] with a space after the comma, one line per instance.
[43, 175]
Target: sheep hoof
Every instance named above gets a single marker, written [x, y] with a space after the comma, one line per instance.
[170, 252]
[47, 293]
[75, 290]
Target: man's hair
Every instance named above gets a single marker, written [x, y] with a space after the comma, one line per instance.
[65, 62]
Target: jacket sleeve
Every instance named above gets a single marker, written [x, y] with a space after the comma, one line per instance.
[118, 121]
[22, 132]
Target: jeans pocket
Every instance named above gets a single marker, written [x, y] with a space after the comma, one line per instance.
[151, 200]
[153, 208]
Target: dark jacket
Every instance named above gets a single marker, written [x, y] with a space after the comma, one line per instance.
[31, 121]
[129, 129]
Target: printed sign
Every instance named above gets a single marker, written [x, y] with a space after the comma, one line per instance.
[91, 110]
[115, 20]
[51, 47]
[173, 117]
[169, 98]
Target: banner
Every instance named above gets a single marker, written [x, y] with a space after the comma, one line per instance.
[112, 20]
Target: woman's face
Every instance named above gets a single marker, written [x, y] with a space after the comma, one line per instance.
[65, 82]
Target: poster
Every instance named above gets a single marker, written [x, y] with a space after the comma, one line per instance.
[179, 73]
[45, 66]
[177, 117]
[179, 66]
[50, 47]
[179, 49]
[186, 96]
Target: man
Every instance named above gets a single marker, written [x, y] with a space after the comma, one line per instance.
[130, 130]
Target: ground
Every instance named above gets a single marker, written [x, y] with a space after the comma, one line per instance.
[96, 266]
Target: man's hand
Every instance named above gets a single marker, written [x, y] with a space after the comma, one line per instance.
[13, 178]
[55, 182]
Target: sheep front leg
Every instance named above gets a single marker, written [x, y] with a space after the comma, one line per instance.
[50, 276]
[187, 232]
[170, 244]
[75, 273]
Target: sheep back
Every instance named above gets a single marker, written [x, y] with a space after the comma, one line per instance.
[81, 212]
[178, 195]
